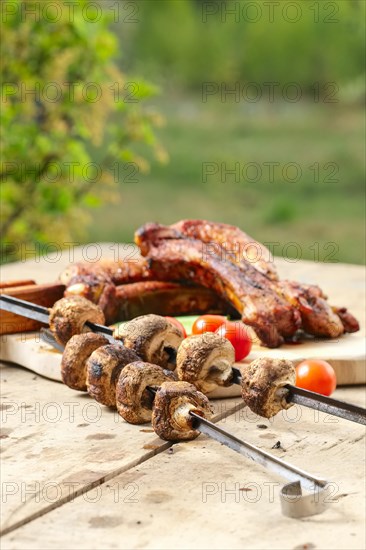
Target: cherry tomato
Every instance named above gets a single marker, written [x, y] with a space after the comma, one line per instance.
[317, 376]
[237, 333]
[177, 324]
[207, 323]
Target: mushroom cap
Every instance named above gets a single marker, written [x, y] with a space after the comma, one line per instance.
[173, 402]
[77, 351]
[262, 385]
[134, 401]
[103, 369]
[153, 338]
[206, 360]
[69, 315]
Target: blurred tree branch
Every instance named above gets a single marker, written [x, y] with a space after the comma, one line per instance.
[68, 119]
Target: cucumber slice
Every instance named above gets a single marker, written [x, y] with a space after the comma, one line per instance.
[187, 321]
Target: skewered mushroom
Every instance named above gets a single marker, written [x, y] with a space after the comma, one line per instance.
[173, 402]
[103, 369]
[206, 361]
[153, 338]
[77, 351]
[69, 315]
[134, 401]
[263, 383]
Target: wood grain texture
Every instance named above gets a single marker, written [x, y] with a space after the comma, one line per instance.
[15, 283]
[52, 443]
[43, 294]
[57, 443]
[200, 494]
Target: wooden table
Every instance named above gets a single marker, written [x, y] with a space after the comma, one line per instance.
[75, 475]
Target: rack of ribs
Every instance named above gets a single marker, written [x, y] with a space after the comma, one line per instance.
[204, 253]
[124, 290]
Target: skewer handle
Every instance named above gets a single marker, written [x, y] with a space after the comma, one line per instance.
[293, 502]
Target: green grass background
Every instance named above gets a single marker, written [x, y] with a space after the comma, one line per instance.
[175, 46]
[330, 213]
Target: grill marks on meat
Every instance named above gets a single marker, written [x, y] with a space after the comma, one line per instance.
[318, 317]
[182, 259]
[236, 245]
[124, 290]
[125, 302]
[116, 272]
[275, 309]
[206, 267]
[167, 298]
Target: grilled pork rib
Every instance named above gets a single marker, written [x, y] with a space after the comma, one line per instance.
[196, 266]
[236, 245]
[181, 259]
[275, 309]
[124, 302]
[167, 298]
[318, 317]
[117, 272]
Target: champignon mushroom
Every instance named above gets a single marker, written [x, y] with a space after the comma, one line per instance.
[77, 351]
[134, 401]
[263, 383]
[69, 315]
[153, 338]
[103, 369]
[206, 360]
[173, 402]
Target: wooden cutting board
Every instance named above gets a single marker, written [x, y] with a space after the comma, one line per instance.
[346, 355]
[344, 284]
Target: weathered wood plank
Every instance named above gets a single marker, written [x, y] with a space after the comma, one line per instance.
[56, 443]
[79, 451]
[202, 495]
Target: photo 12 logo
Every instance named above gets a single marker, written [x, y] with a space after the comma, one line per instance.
[253, 492]
[69, 10]
[53, 252]
[70, 92]
[53, 492]
[253, 92]
[269, 11]
[268, 172]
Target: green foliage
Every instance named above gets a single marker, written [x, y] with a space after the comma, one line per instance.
[64, 140]
[190, 42]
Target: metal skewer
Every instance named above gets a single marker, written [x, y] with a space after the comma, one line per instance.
[41, 314]
[293, 503]
[306, 398]
[317, 401]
